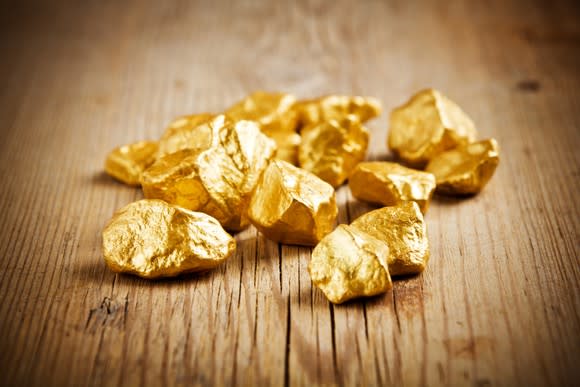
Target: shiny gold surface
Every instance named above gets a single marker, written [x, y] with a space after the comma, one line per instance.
[332, 149]
[428, 124]
[277, 119]
[387, 183]
[127, 163]
[292, 206]
[336, 107]
[349, 263]
[273, 111]
[287, 143]
[465, 169]
[218, 180]
[151, 239]
[187, 132]
[404, 230]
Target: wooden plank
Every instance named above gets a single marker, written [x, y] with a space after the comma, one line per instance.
[499, 303]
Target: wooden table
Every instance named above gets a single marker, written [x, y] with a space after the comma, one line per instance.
[499, 303]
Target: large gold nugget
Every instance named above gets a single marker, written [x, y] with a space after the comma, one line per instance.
[127, 163]
[277, 119]
[218, 180]
[336, 107]
[187, 132]
[403, 228]
[151, 239]
[388, 184]
[333, 148]
[293, 206]
[349, 263]
[465, 169]
[427, 125]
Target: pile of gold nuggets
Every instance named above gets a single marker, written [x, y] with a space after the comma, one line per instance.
[274, 162]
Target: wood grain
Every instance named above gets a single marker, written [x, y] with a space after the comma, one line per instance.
[499, 303]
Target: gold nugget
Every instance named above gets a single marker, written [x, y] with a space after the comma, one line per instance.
[218, 180]
[465, 169]
[151, 239]
[428, 124]
[403, 229]
[349, 263]
[293, 206]
[336, 107]
[386, 183]
[187, 132]
[287, 143]
[277, 119]
[127, 163]
[332, 148]
[273, 111]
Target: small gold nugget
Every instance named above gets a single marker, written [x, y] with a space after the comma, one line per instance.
[287, 143]
[465, 169]
[293, 206]
[187, 132]
[151, 239]
[273, 111]
[428, 124]
[127, 163]
[332, 149]
[349, 263]
[277, 118]
[218, 180]
[403, 229]
[336, 107]
[386, 183]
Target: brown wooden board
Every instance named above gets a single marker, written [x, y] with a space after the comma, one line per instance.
[499, 303]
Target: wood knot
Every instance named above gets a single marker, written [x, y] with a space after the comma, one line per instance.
[110, 312]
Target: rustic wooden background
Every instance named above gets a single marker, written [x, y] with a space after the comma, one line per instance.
[499, 303]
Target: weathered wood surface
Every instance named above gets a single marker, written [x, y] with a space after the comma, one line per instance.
[499, 303]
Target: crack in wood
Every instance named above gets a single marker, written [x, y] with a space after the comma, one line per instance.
[396, 310]
[287, 353]
[255, 331]
[333, 331]
[364, 306]
[280, 264]
[240, 280]
[256, 250]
